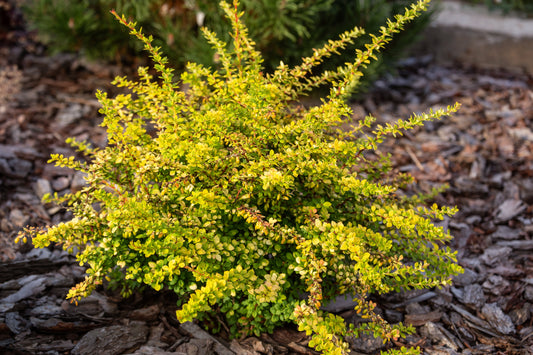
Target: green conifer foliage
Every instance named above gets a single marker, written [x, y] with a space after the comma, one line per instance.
[248, 205]
[85, 25]
[282, 29]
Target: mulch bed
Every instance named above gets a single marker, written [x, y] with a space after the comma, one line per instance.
[484, 153]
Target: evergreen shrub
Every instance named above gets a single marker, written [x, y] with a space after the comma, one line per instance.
[247, 205]
[86, 26]
[282, 29]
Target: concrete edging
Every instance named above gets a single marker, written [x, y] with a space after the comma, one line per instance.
[472, 35]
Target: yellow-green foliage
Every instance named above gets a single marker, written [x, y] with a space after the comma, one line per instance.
[246, 203]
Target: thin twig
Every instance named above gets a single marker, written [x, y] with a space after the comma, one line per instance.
[414, 158]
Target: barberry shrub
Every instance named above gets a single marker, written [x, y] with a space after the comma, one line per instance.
[248, 205]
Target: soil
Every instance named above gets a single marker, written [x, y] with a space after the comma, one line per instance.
[484, 154]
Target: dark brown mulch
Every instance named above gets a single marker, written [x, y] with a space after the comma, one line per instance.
[483, 153]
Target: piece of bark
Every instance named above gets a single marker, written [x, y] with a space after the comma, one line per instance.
[421, 319]
[196, 332]
[112, 340]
